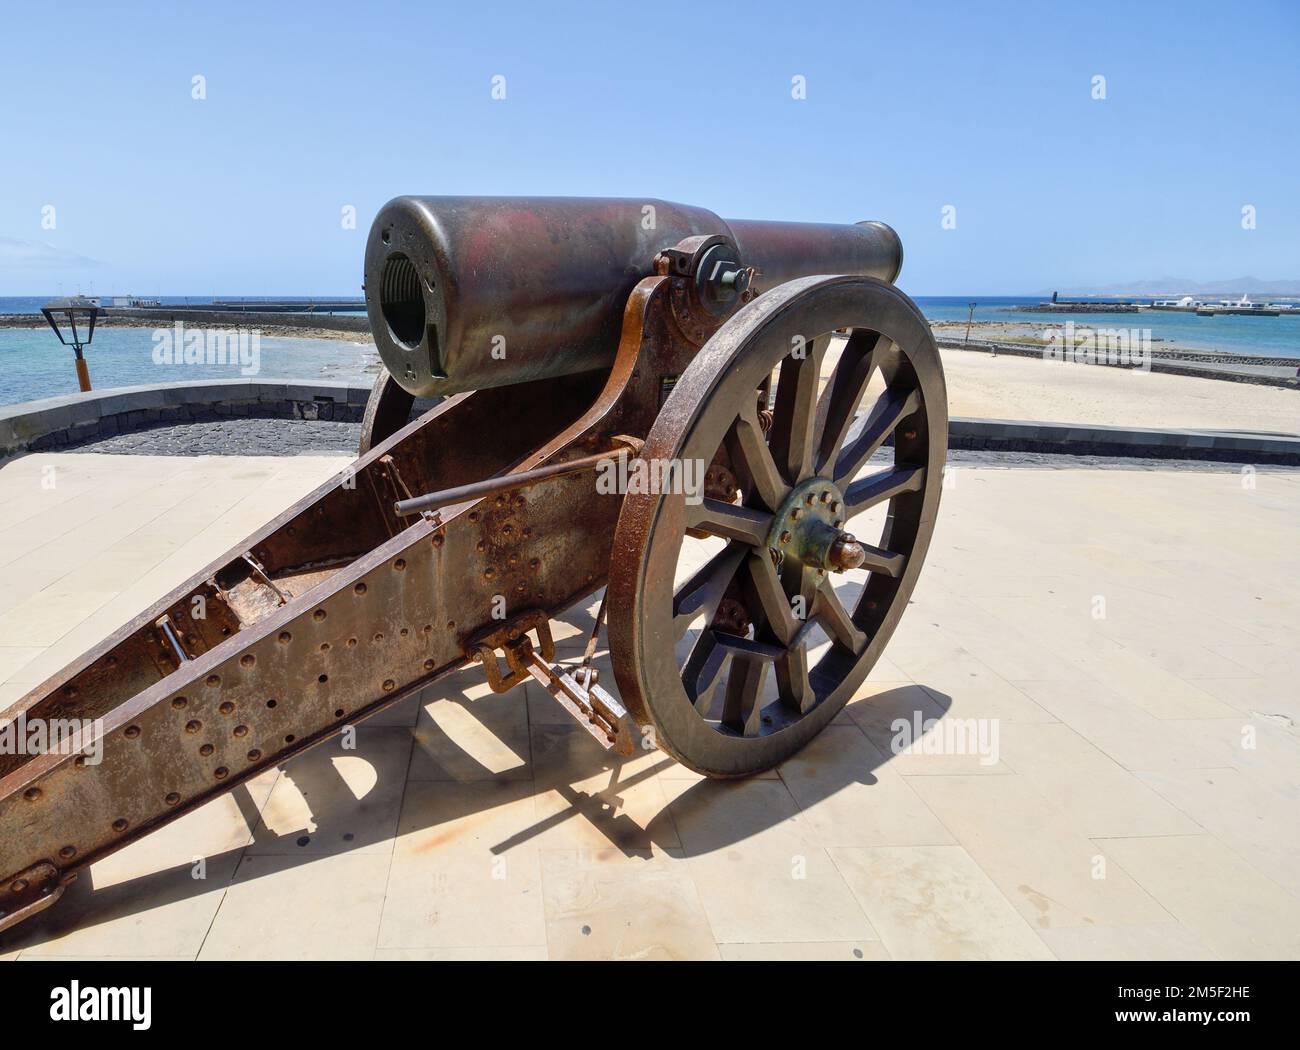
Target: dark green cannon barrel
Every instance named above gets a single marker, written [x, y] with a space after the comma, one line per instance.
[472, 292]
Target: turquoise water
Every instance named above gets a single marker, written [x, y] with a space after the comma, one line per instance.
[1271, 336]
[34, 365]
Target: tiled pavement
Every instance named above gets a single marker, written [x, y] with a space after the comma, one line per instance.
[1132, 639]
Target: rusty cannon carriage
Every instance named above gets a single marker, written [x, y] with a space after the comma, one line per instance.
[634, 395]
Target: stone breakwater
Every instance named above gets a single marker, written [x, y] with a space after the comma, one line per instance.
[316, 326]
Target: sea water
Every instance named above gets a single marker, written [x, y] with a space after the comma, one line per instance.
[33, 364]
[1233, 334]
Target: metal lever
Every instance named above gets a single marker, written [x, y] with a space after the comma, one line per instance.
[507, 483]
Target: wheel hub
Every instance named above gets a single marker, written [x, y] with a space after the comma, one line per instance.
[809, 528]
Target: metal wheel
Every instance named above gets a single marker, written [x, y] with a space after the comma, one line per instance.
[388, 409]
[740, 624]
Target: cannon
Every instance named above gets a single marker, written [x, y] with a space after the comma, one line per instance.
[736, 428]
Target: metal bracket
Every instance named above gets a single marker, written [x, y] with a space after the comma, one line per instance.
[28, 892]
[512, 638]
[594, 708]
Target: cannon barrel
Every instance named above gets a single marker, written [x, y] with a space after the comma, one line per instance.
[466, 293]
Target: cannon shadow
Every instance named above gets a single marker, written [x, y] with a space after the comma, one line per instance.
[560, 763]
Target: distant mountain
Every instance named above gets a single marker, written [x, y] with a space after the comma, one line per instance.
[1170, 286]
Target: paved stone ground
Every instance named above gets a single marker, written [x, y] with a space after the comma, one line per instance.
[1128, 642]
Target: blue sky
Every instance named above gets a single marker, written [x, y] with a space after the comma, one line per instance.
[909, 108]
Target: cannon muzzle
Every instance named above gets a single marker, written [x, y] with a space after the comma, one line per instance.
[467, 293]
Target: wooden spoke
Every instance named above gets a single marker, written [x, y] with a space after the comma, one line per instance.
[794, 415]
[800, 582]
[793, 682]
[703, 591]
[730, 521]
[892, 408]
[887, 563]
[755, 467]
[832, 615]
[703, 671]
[840, 402]
[763, 591]
[876, 488]
[743, 707]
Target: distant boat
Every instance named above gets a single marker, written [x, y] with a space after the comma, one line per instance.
[132, 302]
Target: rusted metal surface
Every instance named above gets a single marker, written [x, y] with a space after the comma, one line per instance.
[388, 409]
[591, 706]
[342, 605]
[471, 292]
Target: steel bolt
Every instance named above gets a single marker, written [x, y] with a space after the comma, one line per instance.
[845, 553]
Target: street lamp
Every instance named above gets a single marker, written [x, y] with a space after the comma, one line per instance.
[72, 308]
[969, 317]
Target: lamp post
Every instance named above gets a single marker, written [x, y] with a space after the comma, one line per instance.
[969, 317]
[72, 308]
